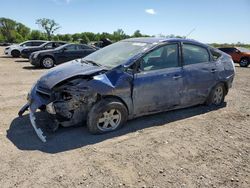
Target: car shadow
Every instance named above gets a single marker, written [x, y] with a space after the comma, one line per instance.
[238, 66]
[5, 56]
[22, 61]
[32, 68]
[22, 135]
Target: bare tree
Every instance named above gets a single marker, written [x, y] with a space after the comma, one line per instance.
[48, 25]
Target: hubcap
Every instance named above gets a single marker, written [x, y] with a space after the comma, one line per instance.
[218, 95]
[109, 120]
[244, 62]
[48, 62]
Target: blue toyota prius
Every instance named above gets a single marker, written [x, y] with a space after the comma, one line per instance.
[130, 78]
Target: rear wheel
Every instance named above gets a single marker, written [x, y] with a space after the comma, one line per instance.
[106, 116]
[47, 62]
[15, 53]
[217, 95]
[244, 62]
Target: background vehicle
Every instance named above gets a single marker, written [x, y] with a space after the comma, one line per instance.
[15, 49]
[25, 53]
[239, 55]
[67, 52]
[131, 78]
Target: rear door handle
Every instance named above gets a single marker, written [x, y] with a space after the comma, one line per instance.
[176, 77]
[213, 70]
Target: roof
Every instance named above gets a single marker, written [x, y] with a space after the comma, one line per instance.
[160, 40]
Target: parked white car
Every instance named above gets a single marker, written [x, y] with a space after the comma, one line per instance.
[15, 49]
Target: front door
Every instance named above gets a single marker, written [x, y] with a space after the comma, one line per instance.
[158, 85]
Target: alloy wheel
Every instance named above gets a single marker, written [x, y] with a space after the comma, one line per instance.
[218, 95]
[48, 62]
[109, 120]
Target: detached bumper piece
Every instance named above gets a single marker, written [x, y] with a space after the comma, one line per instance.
[32, 117]
[38, 131]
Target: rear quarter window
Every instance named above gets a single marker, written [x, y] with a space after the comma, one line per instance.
[215, 55]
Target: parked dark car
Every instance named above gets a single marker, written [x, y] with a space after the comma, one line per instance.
[131, 78]
[25, 53]
[239, 55]
[49, 58]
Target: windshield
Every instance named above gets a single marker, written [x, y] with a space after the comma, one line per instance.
[243, 49]
[117, 53]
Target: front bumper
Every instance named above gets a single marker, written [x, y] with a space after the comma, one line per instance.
[25, 55]
[34, 61]
[7, 52]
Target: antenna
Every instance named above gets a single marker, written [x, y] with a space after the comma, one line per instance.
[190, 33]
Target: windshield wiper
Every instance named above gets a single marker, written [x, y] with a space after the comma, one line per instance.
[91, 62]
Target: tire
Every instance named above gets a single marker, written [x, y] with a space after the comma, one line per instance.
[47, 62]
[15, 53]
[217, 95]
[107, 115]
[244, 62]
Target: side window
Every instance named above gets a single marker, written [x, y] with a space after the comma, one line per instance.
[36, 43]
[215, 54]
[160, 58]
[27, 44]
[70, 48]
[48, 46]
[193, 54]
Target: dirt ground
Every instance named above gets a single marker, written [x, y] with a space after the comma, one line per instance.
[194, 147]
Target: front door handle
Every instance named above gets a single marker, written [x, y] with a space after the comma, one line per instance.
[176, 77]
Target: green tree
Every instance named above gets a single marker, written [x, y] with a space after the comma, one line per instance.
[119, 35]
[7, 29]
[22, 30]
[1, 38]
[76, 37]
[35, 35]
[48, 25]
[137, 33]
[84, 39]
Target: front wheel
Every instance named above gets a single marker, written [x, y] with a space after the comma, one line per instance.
[217, 95]
[47, 62]
[15, 53]
[106, 116]
[244, 62]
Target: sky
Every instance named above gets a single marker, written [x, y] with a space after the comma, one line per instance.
[220, 21]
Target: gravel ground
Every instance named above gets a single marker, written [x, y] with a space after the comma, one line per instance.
[194, 147]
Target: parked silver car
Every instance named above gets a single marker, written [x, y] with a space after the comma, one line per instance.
[15, 49]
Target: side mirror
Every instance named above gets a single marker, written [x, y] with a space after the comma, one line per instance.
[237, 51]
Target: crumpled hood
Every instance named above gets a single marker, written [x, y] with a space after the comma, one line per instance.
[66, 71]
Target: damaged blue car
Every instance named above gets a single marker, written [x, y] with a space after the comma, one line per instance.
[131, 78]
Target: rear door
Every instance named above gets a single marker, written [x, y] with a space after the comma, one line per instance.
[199, 74]
[68, 53]
[159, 83]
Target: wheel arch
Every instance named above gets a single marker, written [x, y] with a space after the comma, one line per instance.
[114, 97]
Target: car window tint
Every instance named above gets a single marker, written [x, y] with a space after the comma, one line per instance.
[215, 54]
[70, 48]
[36, 43]
[163, 57]
[48, 46]
[27, 44]
[193, 54]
